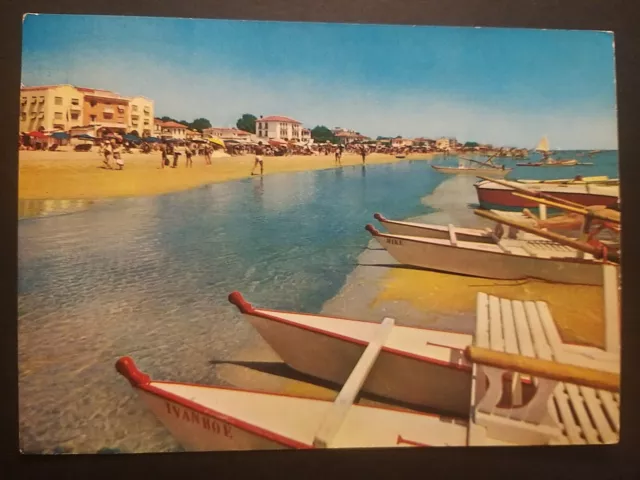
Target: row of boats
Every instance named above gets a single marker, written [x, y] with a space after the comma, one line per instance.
[513, 382]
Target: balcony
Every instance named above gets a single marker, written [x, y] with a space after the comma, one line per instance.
[109, 110]
[147, 109]
[135, 116]
[75, 108]
[23, 101]
[41, 100]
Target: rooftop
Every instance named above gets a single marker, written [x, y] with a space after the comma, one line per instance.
[277, 118]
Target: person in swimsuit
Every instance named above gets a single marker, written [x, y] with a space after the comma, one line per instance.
[188, 155]
[106, 150]
[259, 161]
[363, 153]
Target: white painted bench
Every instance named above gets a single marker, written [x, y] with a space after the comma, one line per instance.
[558, 413]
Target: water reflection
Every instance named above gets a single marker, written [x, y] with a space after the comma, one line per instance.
[45, 208]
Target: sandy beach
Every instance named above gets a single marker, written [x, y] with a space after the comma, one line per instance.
[81, 175]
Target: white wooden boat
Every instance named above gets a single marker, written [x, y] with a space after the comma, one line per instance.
[462, 170]
[508, 259]
[427, 230]
[418, 366]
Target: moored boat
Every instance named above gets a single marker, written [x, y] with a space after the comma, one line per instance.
[417, 366]
[462, 170]
[493, 195]
[509, 259]
[434, 231]
[209, 418]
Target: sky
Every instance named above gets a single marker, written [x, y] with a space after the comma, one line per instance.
[491, 85]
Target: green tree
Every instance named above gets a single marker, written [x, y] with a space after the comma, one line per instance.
[247, 123]
[322, 134]
[471, 144]
[200, 124]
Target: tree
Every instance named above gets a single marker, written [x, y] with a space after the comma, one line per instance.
[134, 133]
[322, 134]
[247, 123]
[200, 124]
[470, 144]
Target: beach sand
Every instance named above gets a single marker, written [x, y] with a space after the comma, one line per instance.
[80, 175]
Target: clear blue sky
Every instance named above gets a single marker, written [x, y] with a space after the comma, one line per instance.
[505, 86]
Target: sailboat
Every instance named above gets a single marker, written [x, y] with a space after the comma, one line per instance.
[547, 161]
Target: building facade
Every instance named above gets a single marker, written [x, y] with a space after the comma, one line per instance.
[66, 107]
[107, 111]
[141, 116]
[50, 107]
[446, 143]
[278, 128]
[169, 129]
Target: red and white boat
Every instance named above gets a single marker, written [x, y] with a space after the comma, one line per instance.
[210, 418]
[493, 195]
[417, 366]
[508, 259]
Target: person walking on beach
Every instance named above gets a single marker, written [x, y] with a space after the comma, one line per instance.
[188, 155]
[207, 154]
[106, 151]
[176, 155]
[164, 158]
[259, 153]
[338, 154]
[117, 155]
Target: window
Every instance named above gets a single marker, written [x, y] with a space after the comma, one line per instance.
[93, 118]
[34, 99]
[74, 116]
[107, 116]
[134, 108]
[146, 122]
[24, 100]
[23, 116]
[75, 101]
[42, 99]
[58, 116]
[93, 103]
[58, 101]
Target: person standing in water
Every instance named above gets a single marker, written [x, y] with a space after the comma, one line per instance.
[259, 161]
[363, 153]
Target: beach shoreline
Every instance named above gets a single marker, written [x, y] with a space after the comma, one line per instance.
[66, 175]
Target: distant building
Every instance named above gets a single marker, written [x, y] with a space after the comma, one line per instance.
[95, 111]
[170, 129]
[305, 135]
[141, 116]
[345, 136]
[228, 133]
[278, 128]
[401, 142]
[447, 143]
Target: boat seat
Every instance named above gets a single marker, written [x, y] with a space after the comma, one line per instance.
[557, 412]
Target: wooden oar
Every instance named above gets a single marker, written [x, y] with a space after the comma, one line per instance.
[555, 237]
[529, 192]
[607, 214]
[583, 376]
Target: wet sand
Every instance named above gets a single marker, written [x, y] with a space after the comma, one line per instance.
[81, 175]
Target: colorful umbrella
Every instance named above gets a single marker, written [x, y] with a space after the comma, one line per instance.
[37, 134]
[217, 141]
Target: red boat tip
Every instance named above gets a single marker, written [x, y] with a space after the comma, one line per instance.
[379, 217]
[238, 300]
[371, 229]
[127, 368]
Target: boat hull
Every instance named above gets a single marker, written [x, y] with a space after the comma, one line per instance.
[496, 264]
[494, 196]
[490, 172]
[411, 379]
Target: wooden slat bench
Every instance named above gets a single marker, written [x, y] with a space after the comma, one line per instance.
[558, 412]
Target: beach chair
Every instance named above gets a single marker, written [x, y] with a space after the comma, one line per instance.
[515, 409]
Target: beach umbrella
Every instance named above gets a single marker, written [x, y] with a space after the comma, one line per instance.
[131, 138]
[60, 135]
[217, 141]
[151, 139]
[84, 136]
[37, 134]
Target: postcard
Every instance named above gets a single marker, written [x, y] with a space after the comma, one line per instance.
[243, 235]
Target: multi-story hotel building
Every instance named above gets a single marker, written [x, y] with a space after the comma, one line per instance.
[63, 107]
[278, 128]
[227, 133]
[169, 129]
[141, 116]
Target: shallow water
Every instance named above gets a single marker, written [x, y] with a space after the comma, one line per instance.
[149, 278]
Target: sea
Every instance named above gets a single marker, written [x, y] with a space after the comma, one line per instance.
[149, 278]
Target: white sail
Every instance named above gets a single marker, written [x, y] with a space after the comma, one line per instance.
[543, 145]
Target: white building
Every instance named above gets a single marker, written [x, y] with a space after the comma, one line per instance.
[446, 143]
[278, 128]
